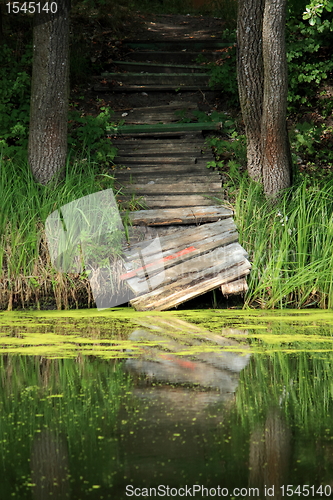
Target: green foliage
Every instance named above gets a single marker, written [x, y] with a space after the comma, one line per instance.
[311, 144]
[89, 133]
[290, 245]
[230, 154]
[223, 74]
[309, 63]
[14, 100]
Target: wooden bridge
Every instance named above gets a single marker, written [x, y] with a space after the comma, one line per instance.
[185, 242]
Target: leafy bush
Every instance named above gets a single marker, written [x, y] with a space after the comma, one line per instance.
[89, 133]
[15, 87]
[309, 62]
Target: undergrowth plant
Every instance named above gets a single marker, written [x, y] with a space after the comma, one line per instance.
[27, 276]
[289, 245]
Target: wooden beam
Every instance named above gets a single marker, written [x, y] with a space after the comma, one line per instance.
[187, 288]
[193, 215]
[167, 127]
[237, 287]
[158, 67]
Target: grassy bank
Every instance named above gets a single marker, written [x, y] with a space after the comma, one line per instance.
[27, 277]
[290, 245]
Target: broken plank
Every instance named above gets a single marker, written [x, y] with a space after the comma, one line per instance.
[235, 287]
[195, 215]
[187, 288]
[197, 263]
[182, 237]
[171, 258]
[167, 127]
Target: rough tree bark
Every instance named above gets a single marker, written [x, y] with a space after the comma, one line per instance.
[262, 83]
[276, 165]
[250, 77]
[47, 149]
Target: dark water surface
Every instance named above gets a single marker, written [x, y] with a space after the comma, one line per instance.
[190, 404]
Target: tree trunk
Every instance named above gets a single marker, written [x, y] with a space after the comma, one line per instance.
[262, 84]
[276, 165]
[47, 149]
[250, 75]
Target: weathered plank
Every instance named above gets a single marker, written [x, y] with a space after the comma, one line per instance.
[175, 79]
[188, 288]
[166, 170]
[158, 114]
[116, 87]
[160, 148]
[152, 188]
[197, 261]
[126, 178]
[163, 127]
[235, 287]
[158, 67]
[191, 139]
[180, 45]
[172, 201]
[171, 57]
[195, 215]
[177, 260]
[184, 237]
[147, 160]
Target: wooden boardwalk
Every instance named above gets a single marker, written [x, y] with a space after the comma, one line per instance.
[186, 242]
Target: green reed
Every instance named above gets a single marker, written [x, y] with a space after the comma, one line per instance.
[26, 274]
[289, 244]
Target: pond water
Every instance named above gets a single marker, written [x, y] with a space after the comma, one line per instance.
[205, 404]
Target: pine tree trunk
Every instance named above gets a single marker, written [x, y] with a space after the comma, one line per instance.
[47, 149]
[276, 165]
[250, 74]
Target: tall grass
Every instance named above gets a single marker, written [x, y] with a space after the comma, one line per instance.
[290, 245]
[26, 273]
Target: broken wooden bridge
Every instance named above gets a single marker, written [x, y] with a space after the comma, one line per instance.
[184, 242]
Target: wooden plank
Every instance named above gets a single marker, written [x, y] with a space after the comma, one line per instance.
[199, 263]
[172, 201]
[101, 87]
[165, 169]
[159, 67]
[184, 237]
[126, 178]
[176, 79]
[167, 127]
[235, 287]
[156, 114]
[188, 288]
[172, 57]
[156, 152]
[136, 272]
[169, 216]
[165, 188]
[179, 45]
[143, 142]
[148, 160]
